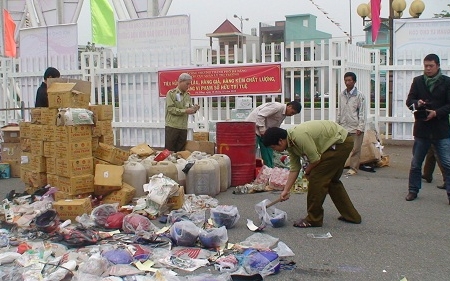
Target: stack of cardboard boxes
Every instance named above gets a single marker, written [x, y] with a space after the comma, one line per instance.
[10, 149]
[63, 156]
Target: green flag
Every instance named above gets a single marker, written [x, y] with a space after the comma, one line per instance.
[103, 23]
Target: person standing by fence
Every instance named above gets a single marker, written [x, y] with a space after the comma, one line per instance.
[429, 98]
[351, 115]
[178, 108]
[41, 95]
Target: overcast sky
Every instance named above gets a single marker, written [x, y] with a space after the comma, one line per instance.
[207, 15]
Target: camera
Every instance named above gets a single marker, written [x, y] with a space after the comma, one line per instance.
[420, 113]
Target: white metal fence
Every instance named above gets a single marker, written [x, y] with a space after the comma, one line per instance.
[130, 82]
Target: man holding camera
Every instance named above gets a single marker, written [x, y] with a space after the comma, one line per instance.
[429, 98]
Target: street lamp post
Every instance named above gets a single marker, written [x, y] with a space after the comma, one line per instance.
[396, 8]
[241, 19]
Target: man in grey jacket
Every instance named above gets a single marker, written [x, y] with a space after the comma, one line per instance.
[351, 115]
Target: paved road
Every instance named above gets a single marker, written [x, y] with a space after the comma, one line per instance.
[396, 238]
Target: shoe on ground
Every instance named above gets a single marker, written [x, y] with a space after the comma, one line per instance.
[441, 186]
[428, 179]
[351, 172]
[411, 196]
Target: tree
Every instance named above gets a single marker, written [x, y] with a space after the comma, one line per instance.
[443, 13]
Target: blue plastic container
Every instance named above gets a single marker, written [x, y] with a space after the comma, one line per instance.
[5, 171]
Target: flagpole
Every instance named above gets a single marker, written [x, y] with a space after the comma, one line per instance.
[2, 39]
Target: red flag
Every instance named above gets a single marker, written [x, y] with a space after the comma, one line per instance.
[375, 7]
[8, 34]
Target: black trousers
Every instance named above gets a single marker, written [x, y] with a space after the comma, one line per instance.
[175, 139]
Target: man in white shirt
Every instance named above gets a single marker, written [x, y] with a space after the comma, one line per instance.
[267, 115]
[351, 115]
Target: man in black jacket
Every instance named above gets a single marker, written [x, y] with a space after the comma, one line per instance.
[429, 97]
[41, 95]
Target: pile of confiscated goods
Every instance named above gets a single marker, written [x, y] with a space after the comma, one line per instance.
[110, 242]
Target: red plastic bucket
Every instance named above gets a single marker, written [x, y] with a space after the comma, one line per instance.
[238, 141]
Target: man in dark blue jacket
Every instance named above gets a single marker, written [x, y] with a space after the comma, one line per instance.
[41, 95]
[429, 97]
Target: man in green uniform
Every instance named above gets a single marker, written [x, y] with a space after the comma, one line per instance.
[326, 145]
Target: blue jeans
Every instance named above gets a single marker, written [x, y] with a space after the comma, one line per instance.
[420, 150]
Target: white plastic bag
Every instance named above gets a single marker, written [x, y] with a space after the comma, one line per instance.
[271, 216]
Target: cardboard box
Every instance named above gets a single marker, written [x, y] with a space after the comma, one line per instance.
[38, 164]
[49, 133]
[73, 150]
[73, 133]
[105, 127]
[120, 156]
[10, 133]
[142, 150]
[201, 136]
[77, 167]
[11, 151]
[49, 148]
[96, 131]
[107, 139]
[111, 154]
[36, 115]
[25, 129]
[37, 147]
[108, 175]
[48, 116]
[59, 195]
[102, 111]
[105, 190]
[176, 201]
[51, 165]
[63, 92]
[36, 131]
[244, 103]
[14, 168]
[25, 145]
[34, 179]
[240, 114]
[122, 196]
[76, 185]
[104, 152]
[202, 146]
[52, 180]
[30, 189]
[99, 161]
[69, 209]
[95, 141]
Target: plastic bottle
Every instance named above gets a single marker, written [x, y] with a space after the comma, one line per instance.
[135, 175]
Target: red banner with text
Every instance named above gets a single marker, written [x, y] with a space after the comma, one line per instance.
[225, 81]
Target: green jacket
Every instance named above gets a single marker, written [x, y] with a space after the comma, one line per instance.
[176, 104]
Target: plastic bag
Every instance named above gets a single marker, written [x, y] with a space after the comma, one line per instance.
[100, 213]
[135, 222]
[184, 233]
[262, 262]
[271, 216]
[278, 178]
[283, 250]
[197, 217]
[225, 215]
[115, 220]
[259, 241]
[214, 237]
[118, 256]
[263, 175]
[95, 265]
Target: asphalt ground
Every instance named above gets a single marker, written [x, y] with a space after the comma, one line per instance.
[396, 238]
